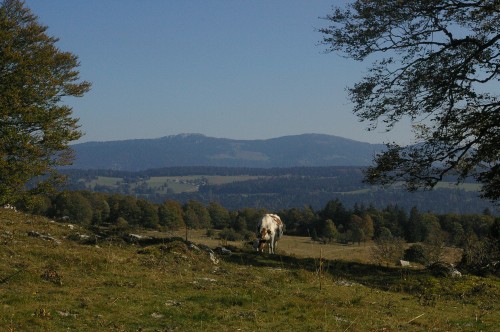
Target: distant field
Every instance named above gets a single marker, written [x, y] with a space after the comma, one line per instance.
[462, 186]
[175, 184]
[281, 189]
[105, 181]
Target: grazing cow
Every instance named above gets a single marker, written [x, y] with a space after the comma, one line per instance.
[269, 231]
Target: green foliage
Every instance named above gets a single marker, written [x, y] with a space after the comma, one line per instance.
[481, 256]
[125, 207]
[36, 204]
[35, 128]
[415, 253]
[118, 212]
[229, 234]
[436, 64]
[276, 189]
[170, 215]
[384, 233]
[388, 250]
[361, 228]
[74, 206]
[329, 231]
[196, 215]
[219, 215]
[149, 214]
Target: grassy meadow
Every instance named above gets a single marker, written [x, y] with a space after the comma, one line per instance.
[50, 280]
[176, 184]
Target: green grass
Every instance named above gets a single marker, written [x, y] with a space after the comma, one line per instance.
[176, 184]
[105, 181]
[114, 286]
[462, 186]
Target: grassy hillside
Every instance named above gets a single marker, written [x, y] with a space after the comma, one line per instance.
[51, 281]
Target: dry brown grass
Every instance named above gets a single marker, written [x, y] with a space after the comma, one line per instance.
[304, 247]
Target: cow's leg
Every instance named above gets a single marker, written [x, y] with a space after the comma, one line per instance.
[271, 245]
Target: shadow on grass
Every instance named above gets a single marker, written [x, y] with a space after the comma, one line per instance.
[377, 276]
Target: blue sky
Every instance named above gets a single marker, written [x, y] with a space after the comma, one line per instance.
[223, 68]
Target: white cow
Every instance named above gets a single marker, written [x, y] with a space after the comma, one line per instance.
[269, 231]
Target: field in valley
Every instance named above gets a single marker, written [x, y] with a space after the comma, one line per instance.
[54, 278]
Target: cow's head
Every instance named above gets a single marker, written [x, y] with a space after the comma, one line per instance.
[262, 244]
[265, 234]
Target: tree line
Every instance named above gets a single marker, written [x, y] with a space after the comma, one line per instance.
[279, 188]
[333, 221]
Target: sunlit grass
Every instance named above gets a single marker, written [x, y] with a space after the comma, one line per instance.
[114, 286]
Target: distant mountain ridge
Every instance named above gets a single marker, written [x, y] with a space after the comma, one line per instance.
[199, 150]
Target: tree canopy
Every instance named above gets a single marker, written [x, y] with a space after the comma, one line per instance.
[437, 63]
[35, 127]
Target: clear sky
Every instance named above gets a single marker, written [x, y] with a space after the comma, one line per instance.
[235, 69]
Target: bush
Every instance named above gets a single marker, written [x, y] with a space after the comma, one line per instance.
[230, 234]
[389, 250]
[415, 254]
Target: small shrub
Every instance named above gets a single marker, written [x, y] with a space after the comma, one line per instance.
[415, 254]
[229, 234]
[210, 233]
[389, 250]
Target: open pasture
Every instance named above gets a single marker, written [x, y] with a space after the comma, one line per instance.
[50, 280]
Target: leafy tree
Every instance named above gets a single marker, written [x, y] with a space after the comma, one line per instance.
[149, 213]
[456, 233]
[329, 232]
[170, 215]
[252, 217]
[430, 226]
[388, 250]
[434, 245]
[100, 207]
[36, 204]
[367, 227]
[219, 215]
[35, 128]
[196, 215]
[74, 205]
[361, 228]
[436, 62]
[384, 233]
[416, 253]
[125, 207]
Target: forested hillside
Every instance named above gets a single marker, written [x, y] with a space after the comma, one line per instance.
[200, 150]
[275, 188]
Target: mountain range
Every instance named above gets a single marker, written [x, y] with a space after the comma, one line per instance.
[199, 150]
